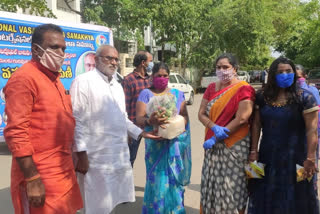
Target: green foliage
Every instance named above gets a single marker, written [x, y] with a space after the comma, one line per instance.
[301, 39]
[34, 7]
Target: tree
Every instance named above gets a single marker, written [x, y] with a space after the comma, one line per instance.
[34, 7]
[300, 38]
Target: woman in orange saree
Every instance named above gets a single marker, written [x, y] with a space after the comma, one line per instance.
[225, 111]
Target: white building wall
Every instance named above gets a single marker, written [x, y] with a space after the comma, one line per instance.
[62, 13]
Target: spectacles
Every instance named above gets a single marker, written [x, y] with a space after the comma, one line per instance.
[110, 58]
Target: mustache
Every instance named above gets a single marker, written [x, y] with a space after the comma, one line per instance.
[113, 66]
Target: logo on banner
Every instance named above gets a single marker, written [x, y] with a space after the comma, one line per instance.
[101, 40]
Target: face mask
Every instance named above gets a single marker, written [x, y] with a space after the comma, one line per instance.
[160, 82]
[301, 80]
[149, 68]
[284, 80]
[225, 76]
[50, 59]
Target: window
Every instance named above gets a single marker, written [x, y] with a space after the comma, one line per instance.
[61, 5]
[129, 62]
[181, 80]
[172, 79]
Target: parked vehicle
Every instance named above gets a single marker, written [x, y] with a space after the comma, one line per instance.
[243, 75]
[208, 78]
[255, 76]
[178, 82]
[314, 77]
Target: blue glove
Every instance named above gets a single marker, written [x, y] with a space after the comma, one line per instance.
[210, 142]
[220, 132]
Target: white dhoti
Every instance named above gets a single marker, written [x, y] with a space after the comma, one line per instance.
[102, 130]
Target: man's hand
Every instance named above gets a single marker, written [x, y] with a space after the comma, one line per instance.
[83, 163]
[36, 193]
[151, 135]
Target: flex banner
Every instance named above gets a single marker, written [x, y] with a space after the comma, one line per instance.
[16, 30]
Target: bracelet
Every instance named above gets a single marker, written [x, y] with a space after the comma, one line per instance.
[252, 151]
[35, 177]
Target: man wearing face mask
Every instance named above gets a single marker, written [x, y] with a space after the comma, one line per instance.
[133, 84]
[101, 143]
[40, 129]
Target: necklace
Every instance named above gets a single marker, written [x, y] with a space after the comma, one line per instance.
[279, 102]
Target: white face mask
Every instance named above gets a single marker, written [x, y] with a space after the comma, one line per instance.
[225, 76]
[50, 59]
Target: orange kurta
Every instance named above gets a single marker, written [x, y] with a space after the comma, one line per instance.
[40, 123]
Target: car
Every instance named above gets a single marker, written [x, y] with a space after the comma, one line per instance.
[243, 75]
[208, 78]
[255, 76]
[178, 82]
[314, 77]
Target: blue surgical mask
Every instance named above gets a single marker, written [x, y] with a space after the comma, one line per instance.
[285, 80]
[150, 66]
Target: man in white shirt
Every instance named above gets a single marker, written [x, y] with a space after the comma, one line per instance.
[98, 101]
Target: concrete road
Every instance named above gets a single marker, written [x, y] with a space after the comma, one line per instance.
[192, 194]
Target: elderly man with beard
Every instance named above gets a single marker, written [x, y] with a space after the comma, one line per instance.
[105, 173]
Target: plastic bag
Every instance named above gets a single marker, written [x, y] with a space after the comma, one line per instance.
[254, 169]
[300, 171]
[159, 104]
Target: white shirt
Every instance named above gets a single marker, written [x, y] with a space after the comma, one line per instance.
[102, 129]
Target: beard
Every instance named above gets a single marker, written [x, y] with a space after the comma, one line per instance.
[107, 70]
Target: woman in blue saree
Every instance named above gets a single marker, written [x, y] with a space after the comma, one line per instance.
[168, 162]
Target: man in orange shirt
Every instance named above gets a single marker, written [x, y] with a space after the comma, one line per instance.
[40, 130]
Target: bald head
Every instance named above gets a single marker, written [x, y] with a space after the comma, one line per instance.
[105, 48]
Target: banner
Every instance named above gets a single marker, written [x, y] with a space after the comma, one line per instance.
[16, 30]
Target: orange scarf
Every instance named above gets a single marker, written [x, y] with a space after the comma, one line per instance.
[218, 107]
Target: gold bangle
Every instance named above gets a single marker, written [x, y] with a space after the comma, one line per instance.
[35, 177]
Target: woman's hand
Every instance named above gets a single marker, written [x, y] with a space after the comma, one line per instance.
[310, 168]
[253, 156]
[208, 144]
[157, 120]
[220, 132]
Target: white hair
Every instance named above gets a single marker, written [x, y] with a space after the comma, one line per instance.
[103, 47]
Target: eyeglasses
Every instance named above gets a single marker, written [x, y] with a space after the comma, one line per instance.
[110, 58]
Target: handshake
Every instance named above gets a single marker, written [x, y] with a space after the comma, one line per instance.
[220, 134]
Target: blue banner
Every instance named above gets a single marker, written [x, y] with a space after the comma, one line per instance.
[15, 49]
